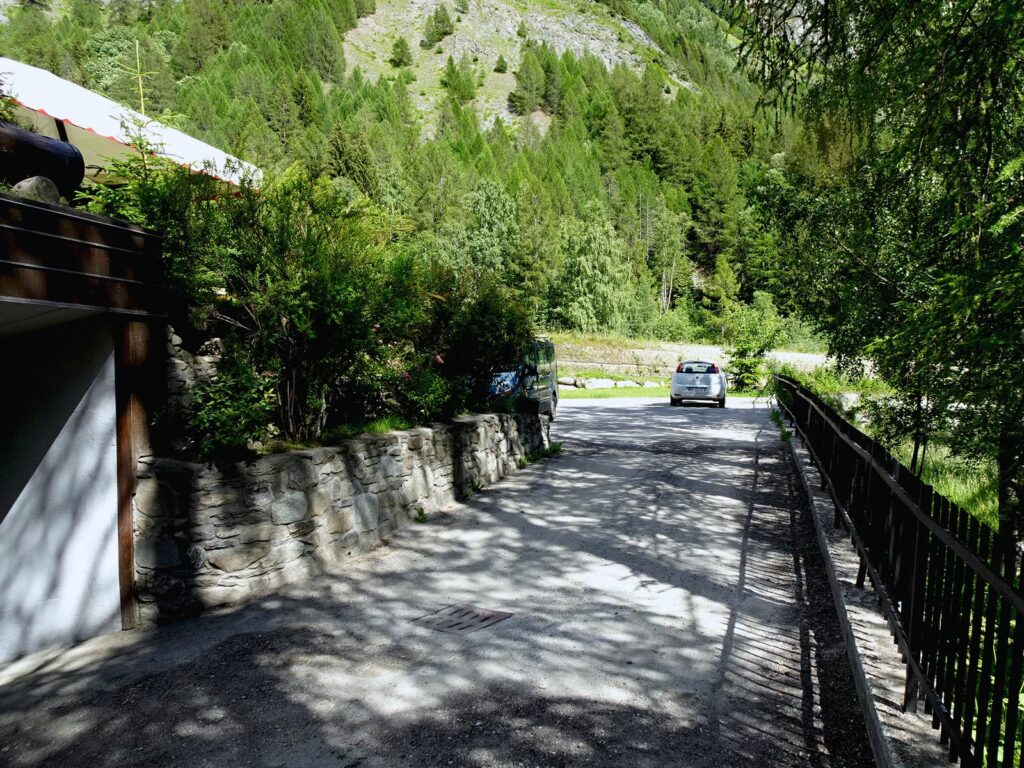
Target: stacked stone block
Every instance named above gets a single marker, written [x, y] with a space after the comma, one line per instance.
[208, 535]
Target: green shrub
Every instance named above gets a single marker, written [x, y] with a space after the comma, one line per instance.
[229, 411]
[676, 325]
[401, 56]
[438, 26]
[459, 80]
[754, 330]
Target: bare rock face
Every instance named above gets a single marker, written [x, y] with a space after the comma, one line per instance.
[38, 188]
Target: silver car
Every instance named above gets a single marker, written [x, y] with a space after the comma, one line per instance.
[698, 380]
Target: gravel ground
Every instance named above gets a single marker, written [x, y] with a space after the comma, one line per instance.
[668, 606]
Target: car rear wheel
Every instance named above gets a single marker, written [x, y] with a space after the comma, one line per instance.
[721, 403]
[674, 401]
[554, 406]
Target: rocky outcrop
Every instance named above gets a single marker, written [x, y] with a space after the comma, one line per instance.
[210, 535]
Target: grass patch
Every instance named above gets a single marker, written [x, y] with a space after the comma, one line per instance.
[972, 485]
[785, 435]
[655, 392]
[601, 340]
[827, 383]
[373, 427]
[590, 394]
[554, 448]
[594, 373]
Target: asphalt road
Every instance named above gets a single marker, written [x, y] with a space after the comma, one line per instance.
[668, 609]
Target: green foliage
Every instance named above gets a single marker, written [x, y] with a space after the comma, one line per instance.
[459, 81]
[501, 66]
[589, 292]
[204, 33]
[6, 107]
[755, 329]
[379, 426]
[462, 6]
[521, 29]
[677, 324]
[169, 199]
[900, 228]
[438, 26]
[623, 208]
[529, 85]
[231, 411]
[401, 55]
[553, 449]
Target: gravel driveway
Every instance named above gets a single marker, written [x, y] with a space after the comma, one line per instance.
[668, 609]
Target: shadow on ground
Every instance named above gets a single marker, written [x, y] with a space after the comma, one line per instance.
[669, 610]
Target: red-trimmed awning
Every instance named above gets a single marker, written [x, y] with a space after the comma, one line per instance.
[101, 128]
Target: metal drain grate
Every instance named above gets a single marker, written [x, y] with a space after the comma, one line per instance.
[461, 619]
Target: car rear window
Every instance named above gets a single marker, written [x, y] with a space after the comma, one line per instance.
[690, 367]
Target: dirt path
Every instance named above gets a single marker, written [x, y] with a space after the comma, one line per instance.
[667, 610]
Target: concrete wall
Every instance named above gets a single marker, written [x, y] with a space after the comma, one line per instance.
[207, 535]
[58, 487]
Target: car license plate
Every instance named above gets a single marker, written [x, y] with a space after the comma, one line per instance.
[696, 389]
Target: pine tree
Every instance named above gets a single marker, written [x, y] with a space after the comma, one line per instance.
[462, 6]
[438, 26]
[401, 56]
[529, 85]
[444, 21]
[349, 15]
[205, 32]
[459, 81]
[365, 8]
[521, 30]
[501, 65]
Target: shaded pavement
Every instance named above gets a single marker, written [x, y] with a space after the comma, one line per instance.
[668, 602]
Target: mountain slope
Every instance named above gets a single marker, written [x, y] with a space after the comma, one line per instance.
[486, 31]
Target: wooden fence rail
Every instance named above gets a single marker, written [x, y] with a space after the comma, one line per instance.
[954, 604]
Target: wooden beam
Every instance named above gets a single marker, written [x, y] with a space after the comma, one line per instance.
[62, 257]
[133, 350]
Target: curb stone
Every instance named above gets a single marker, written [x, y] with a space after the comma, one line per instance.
[898, 739]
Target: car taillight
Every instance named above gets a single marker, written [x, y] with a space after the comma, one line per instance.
[679, 368]
[714, 369]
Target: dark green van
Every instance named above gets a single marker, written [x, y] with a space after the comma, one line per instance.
[533, 383]
[540, 382]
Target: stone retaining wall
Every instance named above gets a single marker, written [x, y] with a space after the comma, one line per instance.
[212, 535]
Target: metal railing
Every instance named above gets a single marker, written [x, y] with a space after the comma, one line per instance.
[954, 604]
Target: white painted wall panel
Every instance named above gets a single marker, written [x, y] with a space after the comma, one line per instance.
[58, 488]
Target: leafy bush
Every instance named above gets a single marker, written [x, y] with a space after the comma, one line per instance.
[754, 330]
[329, 316]
[6, 107]
[231, 410]
[676, 325]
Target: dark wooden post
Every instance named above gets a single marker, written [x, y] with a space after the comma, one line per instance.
[133, 382]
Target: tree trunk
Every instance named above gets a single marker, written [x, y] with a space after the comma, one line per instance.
[917, 440]
[1010, 464]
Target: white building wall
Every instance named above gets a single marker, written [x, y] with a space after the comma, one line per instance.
[58, 487]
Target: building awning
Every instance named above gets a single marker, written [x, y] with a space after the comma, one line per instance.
[102, 128]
